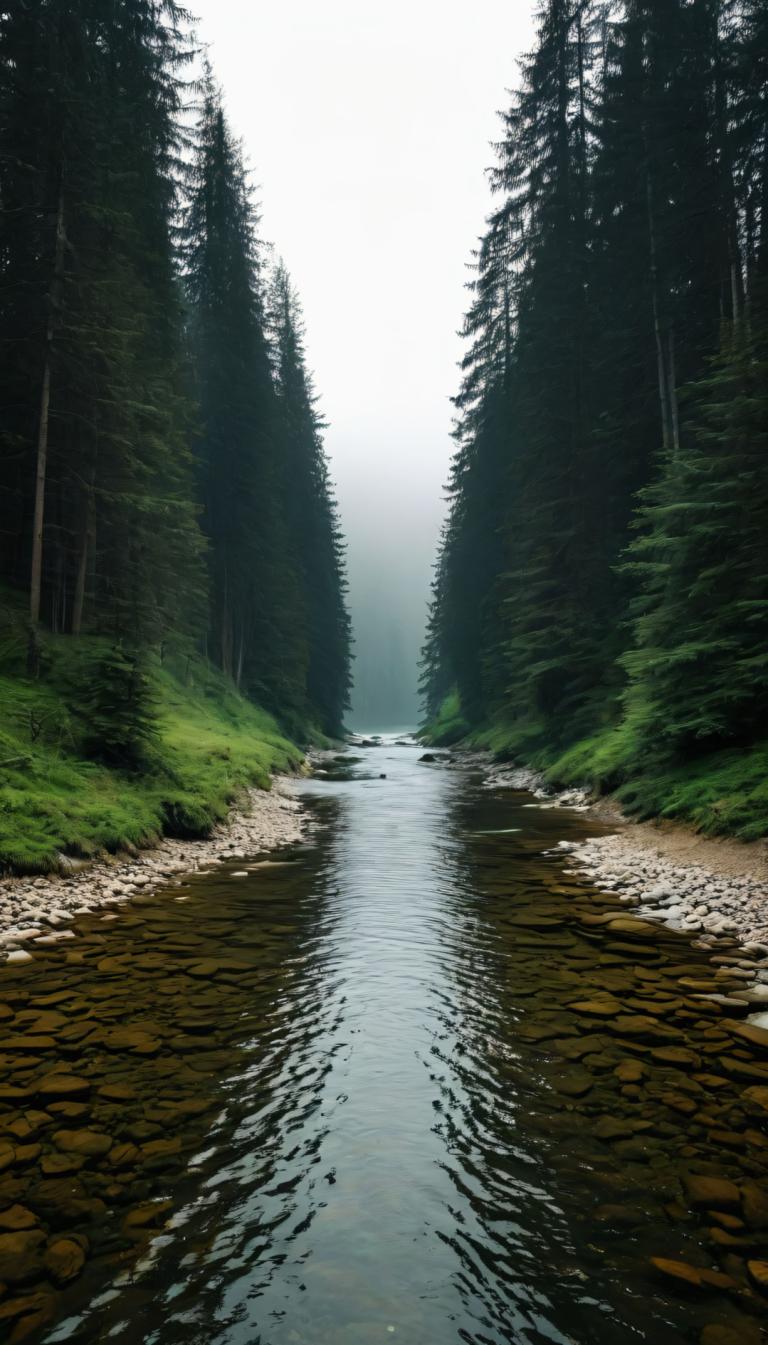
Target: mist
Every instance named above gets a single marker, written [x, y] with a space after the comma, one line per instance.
[367, 131]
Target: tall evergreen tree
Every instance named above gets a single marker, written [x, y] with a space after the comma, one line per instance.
[310, 510]
[614, 387]
[278, 622]
[98, 473]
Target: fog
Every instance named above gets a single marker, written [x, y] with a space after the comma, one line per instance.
[367, 127]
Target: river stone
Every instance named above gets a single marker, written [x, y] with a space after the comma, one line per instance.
[679, 1102]
[50, 1020]
[712, 1192]
[7, 1155]
[16, 1219]
[117, 1092]
[758, 1096]
[676, 1055]
[123, 1156]
[574, 1083]
[727, 1221]
[636, 929]
[692, 1276]
[61, 1165]
[596, 1008]
[611, 1128]
[64, 1258]
[641, 1027]
[211, 966]
[630, 1071]
[71, 1111]
[731, 1242]
[758, 1273]
[576, 1048]
[26, 1154]
[754, 1198]
[20, 1255]
[90, 1143]
[29, 1312]
[62, 1085]
[23, 1128]
[755, 1036]
[159, 1153]
[149, 1215]
[63, 1201]
[745, 1069]
[131, 1039]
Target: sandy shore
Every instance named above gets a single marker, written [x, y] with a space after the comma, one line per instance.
[706, 886]
[41, 909]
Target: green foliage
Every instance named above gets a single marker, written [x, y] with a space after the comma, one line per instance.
[699, 668]
[448, 726]
[278, 622]
[601, 593]
[119, 706]
[210, 745]
[139, 384]
[721, 794]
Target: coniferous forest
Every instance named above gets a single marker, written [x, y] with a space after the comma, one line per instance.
[168, 529]
[600, 602]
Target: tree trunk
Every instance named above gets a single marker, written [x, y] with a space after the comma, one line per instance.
[661, 354]
[36, 572]
[86, 547]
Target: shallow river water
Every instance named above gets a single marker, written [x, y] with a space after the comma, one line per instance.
[408, 1082]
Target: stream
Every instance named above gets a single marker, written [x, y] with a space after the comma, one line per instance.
[409, 1081]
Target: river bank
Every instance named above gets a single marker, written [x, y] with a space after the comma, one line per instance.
[40, 909]
[707, 886]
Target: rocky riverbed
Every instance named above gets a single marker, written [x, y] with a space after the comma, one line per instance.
[41, 909]
[705, 887]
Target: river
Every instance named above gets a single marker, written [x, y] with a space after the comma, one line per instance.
[408, 1082]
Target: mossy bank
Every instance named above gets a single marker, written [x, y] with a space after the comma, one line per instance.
[62, 798]
[721, 793]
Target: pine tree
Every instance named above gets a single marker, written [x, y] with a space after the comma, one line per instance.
[310, 510]
[699, 673]
[99, 480]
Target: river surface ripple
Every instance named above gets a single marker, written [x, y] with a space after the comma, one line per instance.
[402, 1149]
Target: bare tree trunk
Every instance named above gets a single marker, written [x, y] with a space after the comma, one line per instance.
[240, 659]
[665, 402]
[36, 572]
[86, 547]
[674, 414]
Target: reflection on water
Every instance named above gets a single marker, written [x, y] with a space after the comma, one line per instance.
[378, 1116]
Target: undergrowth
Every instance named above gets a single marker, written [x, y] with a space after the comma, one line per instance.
[210, 745]
[723, 793]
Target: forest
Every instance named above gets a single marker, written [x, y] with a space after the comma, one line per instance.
[172, 585]
[600, 599]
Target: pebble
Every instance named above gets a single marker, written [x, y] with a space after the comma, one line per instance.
[41, 908]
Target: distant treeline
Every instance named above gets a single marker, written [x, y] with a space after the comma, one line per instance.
[605, 561]
[163, 481]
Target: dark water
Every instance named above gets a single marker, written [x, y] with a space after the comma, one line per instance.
[381, 1118]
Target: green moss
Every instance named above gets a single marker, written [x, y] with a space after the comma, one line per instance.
[448, 727]
[720, 794]
[723, 793]
[212, 744]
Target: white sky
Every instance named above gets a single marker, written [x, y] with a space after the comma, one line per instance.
[367, 126]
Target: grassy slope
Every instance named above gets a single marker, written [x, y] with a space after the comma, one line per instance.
[213, 744]
[725, 793]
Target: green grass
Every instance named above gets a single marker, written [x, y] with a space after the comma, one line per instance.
[53, 801]
[448, 726]
[721, 794]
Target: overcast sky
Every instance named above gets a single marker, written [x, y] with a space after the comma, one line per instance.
[367, 126]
